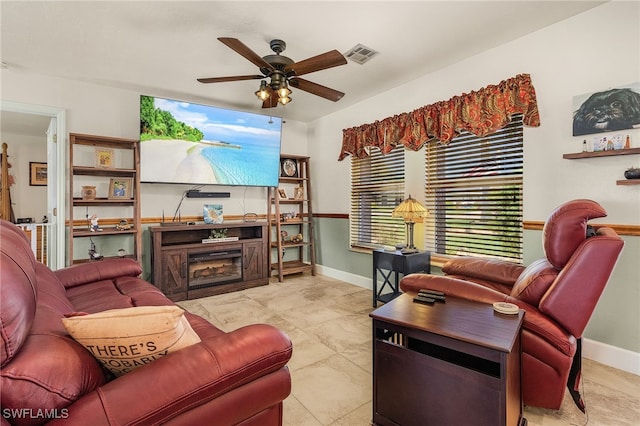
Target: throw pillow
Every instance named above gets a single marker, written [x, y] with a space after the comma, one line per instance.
[125, 339]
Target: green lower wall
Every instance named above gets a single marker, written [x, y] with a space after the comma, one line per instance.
[616, 320]
[333, 251]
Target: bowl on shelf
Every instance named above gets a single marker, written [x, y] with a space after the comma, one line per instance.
[632, 173]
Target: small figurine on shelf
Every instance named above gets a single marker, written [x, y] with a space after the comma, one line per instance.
[93, 254]
[123, 225]
[94, 227]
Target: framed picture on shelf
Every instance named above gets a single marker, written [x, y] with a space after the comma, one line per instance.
[299, 193]
[37, 174]
[104, 158]
[282, 193]
[120, 188]
[212, 213]
[288, 168]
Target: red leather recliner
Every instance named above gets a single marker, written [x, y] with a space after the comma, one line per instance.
[559, 294]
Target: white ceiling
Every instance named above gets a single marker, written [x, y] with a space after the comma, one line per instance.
[160, 48]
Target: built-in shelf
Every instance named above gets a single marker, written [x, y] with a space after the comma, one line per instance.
[578, 155]
[627, 151]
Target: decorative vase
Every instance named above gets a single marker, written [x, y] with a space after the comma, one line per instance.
[632, 173]
[88, 192]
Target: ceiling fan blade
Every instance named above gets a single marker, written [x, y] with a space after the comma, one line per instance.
[316, 89]
[326, 60]
[244, 51]
[272, 100]
[234, 78]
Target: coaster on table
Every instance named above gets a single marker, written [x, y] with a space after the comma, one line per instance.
[505, 308]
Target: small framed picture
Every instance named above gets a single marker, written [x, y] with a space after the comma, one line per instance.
[282, 193]
[37, 174]
[212, 213]
[288, 168]
[104, 158]
[299, 193]
[120, 188]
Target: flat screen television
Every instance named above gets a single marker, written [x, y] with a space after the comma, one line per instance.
[187, 143]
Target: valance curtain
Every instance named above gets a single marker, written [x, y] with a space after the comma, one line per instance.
[480, 112]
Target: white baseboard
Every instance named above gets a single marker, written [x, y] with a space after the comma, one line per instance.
[622, 359]
[615, 357]
[358, 280]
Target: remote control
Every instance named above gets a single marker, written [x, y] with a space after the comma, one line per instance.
[437, 297]
[422, 299]
[437, 293]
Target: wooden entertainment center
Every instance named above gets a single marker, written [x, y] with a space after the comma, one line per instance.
[187, 263]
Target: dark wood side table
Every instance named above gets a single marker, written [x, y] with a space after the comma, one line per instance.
[452, 363]
[396, 262]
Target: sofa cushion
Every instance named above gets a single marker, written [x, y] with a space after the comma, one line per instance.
[125, 339]
[50, 370]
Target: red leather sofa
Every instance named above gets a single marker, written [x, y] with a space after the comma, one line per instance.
[559, 294]
[239, 377]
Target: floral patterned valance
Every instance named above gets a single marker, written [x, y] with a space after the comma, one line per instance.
[480, 112]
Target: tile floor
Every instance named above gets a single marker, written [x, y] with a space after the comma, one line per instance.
[328, 323]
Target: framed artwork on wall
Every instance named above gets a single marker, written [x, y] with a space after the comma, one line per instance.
[609, 110]
[37, 174]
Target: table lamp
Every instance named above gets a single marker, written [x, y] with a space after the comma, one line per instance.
[409, 209]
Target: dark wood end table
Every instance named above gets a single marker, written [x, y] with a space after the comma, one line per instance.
[449, 363]
[395, 262]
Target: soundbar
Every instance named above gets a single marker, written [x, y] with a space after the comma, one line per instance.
[194, 193]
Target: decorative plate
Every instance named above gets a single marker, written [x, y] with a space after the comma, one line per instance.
[289, 167]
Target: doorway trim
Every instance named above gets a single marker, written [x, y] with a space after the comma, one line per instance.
[61, 154]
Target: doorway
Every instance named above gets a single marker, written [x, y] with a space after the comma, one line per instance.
[55, 120]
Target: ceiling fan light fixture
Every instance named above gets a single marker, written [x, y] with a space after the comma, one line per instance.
[283, 90]
[284, 100]
[263, 93]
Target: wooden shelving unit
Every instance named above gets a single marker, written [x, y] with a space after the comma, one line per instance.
[292, 181]
[126, 151]
[596, 154]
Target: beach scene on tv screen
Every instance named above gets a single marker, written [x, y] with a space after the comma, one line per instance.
[182, 142]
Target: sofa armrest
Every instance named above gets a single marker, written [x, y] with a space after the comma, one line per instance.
[108, 269]
[492, 270]
[189, 378]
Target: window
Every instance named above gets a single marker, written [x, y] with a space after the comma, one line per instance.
[377, 187]
[474, 194]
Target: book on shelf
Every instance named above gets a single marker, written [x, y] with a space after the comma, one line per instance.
[219, 240]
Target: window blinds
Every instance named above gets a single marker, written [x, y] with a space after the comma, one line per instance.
[474, 194]
[377, 187]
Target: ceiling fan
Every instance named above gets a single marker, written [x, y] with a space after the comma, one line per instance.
[282, 72]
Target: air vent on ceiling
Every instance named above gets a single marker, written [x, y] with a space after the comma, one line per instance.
[360, 54]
